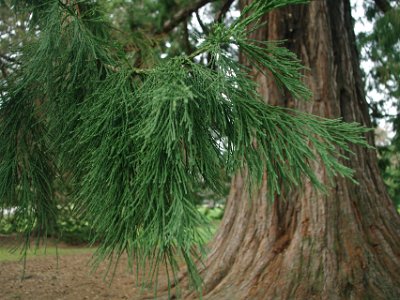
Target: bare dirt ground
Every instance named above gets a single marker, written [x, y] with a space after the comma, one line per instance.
[71, 280]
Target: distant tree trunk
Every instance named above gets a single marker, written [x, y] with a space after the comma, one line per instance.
[341, 245]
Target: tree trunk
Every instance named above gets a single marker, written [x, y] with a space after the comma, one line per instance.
[306, 245]
[344, 244]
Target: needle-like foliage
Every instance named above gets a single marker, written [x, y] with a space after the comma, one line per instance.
[134, 144]
[27, 164]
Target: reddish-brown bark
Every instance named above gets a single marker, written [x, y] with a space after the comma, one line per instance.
[306, 245]
[342, 245]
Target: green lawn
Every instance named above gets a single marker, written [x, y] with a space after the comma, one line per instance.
[8, 254]
[206, 234]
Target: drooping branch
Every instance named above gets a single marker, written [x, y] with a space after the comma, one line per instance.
[383, 5]
[182, 14]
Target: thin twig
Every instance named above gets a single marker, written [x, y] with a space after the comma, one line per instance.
[3, 69]
[9, 59]
[186, 40]
[183, 14]
[78, 10]
[224, 9]
[203, 27]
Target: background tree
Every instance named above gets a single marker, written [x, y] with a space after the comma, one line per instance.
[380, 47]
[12, 33]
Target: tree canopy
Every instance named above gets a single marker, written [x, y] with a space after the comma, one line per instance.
[380, 49]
